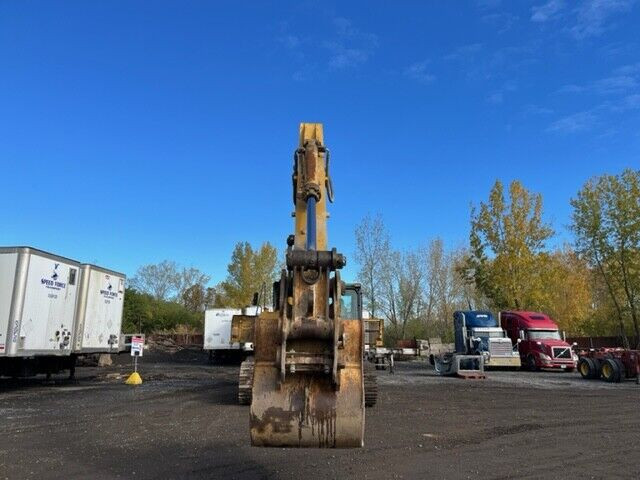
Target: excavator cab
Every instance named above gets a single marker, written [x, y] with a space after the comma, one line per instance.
[351, 301]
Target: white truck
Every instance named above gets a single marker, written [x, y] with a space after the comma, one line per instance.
[45, 313]
[217, 333]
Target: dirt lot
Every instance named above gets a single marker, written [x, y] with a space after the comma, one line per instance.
[183, 423]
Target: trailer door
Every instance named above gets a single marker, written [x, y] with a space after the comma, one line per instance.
[49, 307]
[103, 318]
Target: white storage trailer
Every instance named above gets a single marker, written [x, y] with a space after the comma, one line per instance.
[217, 332]
[53, 309]
[98, 311]
[38, 294]
[217, 328]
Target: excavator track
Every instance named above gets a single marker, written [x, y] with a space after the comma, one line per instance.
[245, 383]
[370, 389]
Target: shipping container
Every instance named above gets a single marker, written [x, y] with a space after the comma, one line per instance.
[38, 294]
[99, 307]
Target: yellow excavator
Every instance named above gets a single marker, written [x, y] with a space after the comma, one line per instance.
[305, 382]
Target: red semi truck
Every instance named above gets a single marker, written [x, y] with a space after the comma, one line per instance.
[539, 342]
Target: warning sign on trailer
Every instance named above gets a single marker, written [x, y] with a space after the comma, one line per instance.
[137, 345]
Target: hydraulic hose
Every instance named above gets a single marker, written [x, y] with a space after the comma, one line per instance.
[311, 223]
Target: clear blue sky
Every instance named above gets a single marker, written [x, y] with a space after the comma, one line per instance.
[132, 132]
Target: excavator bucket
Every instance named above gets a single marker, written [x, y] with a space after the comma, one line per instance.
[306, 410]
[308, 383]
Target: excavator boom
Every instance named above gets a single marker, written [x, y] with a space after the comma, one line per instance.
[308, 375]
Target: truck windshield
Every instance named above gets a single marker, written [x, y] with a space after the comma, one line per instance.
[543, 334]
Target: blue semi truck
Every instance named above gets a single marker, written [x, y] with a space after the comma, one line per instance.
[478, 333]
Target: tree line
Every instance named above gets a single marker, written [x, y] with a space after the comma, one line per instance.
[167, 297]
[590, 287]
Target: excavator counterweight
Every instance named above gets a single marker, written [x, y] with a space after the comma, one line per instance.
[308, 387]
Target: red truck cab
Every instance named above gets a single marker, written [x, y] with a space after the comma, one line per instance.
[539, 342]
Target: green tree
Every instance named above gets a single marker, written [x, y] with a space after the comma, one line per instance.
[568, 291]
[506, 243]
[249, 271]
[606, 223]
[146, 314]
[193, 298]
[137, 311]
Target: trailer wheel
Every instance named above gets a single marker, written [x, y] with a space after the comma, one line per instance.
[621, 368]
[588, 368]
[610, 371]
[531, 363]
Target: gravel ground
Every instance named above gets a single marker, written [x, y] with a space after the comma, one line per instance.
[183, 422]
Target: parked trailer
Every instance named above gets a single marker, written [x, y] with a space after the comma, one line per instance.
[217, 333]
[38, 295]
[99, 308]
[610, 364]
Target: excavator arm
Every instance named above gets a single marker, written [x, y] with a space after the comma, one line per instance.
[308, 388]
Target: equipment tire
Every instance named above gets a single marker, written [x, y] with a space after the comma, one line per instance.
[621, 368]
[245, 381]
[610, 371]
[588, 368]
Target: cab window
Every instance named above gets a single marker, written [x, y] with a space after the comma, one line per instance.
[349, 305]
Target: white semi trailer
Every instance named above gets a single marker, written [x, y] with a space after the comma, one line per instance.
[38, 295]
[99, 310]
[217, 333]
[53, 309]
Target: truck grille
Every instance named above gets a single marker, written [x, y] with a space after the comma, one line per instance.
[562, 352]
[500, 349]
